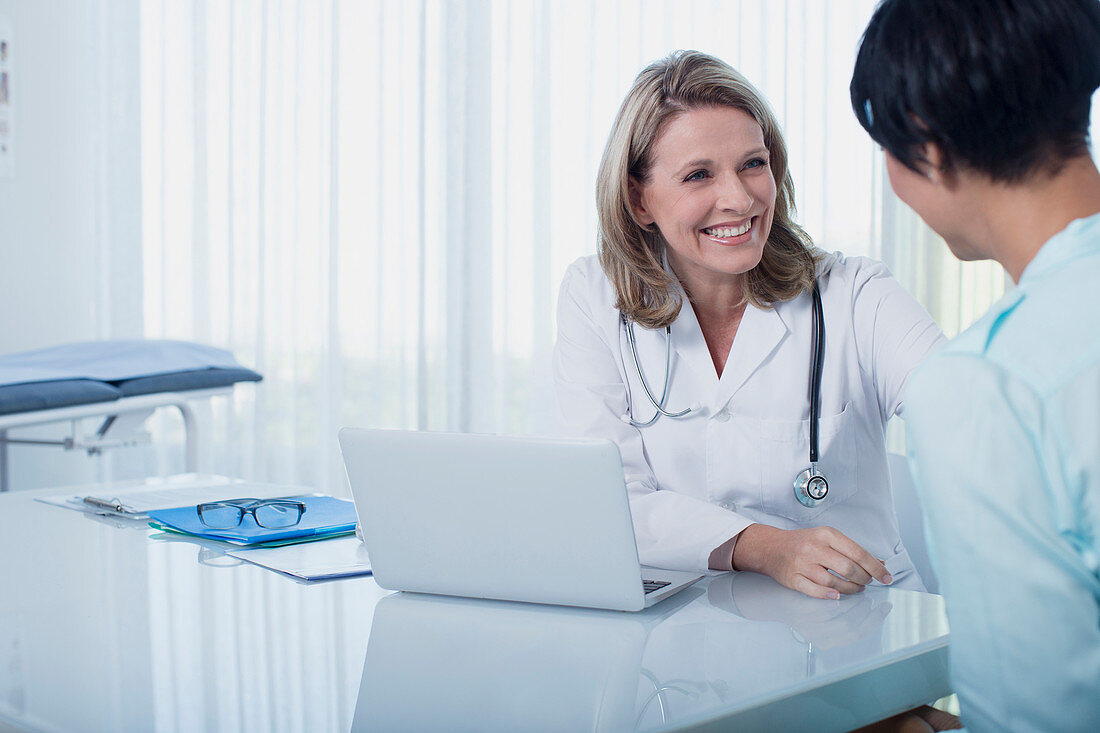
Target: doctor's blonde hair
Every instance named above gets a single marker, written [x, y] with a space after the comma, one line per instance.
[632, 254]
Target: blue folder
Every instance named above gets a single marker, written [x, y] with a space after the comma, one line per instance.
[324, 515]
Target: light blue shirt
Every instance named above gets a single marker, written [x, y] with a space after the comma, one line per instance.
[1003, 427]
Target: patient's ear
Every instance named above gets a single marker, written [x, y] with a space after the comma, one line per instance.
[936, 168]
[637, 203]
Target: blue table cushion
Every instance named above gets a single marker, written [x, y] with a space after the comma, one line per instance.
[112, 361]
[101, 371]
[183, 381]
[61, 393]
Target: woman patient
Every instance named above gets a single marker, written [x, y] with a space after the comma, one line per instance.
[983, 110]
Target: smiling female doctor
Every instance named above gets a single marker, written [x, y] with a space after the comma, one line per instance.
[690, 342]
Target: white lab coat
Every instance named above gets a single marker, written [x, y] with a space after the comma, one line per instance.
[697, 481]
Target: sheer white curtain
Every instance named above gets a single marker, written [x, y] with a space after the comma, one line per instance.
[372, 203]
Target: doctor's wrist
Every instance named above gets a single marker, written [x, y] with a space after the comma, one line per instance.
[749, 552]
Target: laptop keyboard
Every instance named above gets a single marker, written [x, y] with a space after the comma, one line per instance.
[651, 585]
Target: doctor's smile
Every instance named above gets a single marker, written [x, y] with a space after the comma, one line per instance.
[730, 233]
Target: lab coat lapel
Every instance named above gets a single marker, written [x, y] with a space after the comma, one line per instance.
[760, 333]
[689, 344]
[691, 348]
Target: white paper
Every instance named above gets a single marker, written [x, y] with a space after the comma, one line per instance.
[340, 557]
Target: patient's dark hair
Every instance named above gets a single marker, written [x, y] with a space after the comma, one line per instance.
[1002, 87]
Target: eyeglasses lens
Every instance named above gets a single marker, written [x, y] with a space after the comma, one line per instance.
[220, 516]
[278, 515]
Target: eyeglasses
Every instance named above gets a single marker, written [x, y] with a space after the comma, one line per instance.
[268, 513]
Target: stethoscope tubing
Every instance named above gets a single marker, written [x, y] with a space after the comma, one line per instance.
[658, 405]
[818, 359]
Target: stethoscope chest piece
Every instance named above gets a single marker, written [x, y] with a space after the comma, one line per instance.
[810, 487]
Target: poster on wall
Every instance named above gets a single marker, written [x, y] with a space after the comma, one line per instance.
[7, 128]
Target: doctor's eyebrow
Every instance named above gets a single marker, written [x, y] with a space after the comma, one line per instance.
[701, 163]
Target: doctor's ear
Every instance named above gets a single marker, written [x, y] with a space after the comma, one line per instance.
[637, 204]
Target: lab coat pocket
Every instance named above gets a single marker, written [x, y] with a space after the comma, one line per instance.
[788, 454]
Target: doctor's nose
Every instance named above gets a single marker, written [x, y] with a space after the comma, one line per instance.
[734, 196]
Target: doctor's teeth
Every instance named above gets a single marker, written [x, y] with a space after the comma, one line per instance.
[725, 232]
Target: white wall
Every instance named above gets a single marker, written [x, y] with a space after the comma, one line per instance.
[70, 219]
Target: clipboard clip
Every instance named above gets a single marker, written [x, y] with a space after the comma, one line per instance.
[112, 505]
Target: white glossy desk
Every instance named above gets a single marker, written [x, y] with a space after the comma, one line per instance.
[106, 628]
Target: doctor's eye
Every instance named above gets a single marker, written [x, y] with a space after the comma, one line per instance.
[696, 176]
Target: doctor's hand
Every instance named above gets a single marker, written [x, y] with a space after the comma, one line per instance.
[802, 558]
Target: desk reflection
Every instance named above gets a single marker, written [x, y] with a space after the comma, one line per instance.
[437, 663]
[821, 624]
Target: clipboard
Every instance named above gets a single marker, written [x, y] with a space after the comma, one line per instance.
[135, 499]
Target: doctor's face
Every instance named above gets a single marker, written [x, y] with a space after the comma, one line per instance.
[710, 192]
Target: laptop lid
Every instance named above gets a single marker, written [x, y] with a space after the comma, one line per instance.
[514, 518]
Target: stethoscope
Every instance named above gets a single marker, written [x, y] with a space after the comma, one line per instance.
[810, 486]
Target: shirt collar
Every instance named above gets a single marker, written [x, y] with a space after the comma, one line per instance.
[1080, 237]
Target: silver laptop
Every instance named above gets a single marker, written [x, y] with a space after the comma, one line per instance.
[541, 520]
